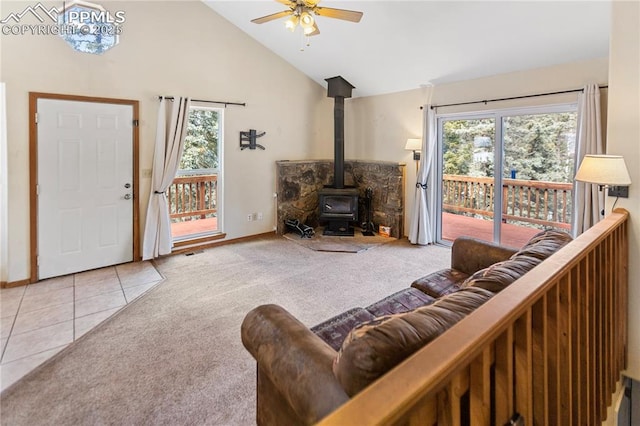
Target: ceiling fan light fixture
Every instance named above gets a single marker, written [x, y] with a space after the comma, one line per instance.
[292, 23]
[300, 12]
[309, 30]
[306, 20]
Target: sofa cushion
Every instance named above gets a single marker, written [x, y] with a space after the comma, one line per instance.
[334, 330]
[544, 244]
[499, 275]
[440, 283]
[404, 300]
[375, 347]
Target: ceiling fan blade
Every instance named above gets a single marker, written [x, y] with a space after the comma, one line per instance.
[330, 12]
[271, 17]
[310, 3]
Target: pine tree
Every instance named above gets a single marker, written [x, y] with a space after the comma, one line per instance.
[201, 142]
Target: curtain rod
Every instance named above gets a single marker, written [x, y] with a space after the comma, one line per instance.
[225, 103]
[512, 98]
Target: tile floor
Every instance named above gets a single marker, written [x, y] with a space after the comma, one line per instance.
[39, 320]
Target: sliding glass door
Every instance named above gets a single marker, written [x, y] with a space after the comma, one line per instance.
[538, 169]
[468, 179]
[506, 175]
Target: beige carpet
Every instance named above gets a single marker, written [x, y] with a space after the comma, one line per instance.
[174, 356]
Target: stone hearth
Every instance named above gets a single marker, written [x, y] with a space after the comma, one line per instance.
[298, 183]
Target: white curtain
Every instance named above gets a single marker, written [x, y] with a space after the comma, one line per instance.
[170, 133]
[423, 225]
[588, 200]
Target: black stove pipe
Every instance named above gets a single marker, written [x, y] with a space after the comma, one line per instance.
[338, 88]
[338, 140]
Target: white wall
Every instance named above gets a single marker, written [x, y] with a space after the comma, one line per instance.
[377, 127]
[179, 48]
[4, 177]
[624, 139]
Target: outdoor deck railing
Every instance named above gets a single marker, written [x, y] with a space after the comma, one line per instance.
[551, 347]
[193, 197]
[535, 202]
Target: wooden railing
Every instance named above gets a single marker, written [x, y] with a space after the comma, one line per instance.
[537, 202]
[551, 347]
[193, 197]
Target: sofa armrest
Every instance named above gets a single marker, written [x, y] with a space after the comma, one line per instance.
[296, 361]
[470, 255]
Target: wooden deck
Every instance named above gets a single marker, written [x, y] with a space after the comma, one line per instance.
[455, 225]
[545, 204]
[193, 227]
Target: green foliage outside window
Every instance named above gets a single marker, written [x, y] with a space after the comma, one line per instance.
[459, 147]
[536, 147]
[540, 147]
[201, 142]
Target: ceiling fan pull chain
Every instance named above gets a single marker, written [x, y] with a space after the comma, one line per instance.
[305, 41]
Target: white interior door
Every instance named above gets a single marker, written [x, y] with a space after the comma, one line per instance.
[85, 186]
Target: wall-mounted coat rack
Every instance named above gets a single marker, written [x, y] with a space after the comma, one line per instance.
[250, 137]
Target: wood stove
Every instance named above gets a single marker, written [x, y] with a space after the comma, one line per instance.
[338, 205]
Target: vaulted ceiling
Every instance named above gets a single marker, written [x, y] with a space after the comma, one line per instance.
[402, 45]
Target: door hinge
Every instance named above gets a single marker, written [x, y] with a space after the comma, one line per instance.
[36, 117]
[37, 189]
[37, 260]
[136, 123]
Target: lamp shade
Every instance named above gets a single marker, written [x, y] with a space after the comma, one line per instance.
[413, 145]
[306, 20]
[604, 170]
[292, 23]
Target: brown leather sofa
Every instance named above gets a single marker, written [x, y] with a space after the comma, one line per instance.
[304, 374]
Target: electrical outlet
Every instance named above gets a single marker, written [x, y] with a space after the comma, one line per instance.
[619, 191]
[249, 217]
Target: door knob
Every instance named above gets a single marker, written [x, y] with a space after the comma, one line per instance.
[127, 196]
[127, 185]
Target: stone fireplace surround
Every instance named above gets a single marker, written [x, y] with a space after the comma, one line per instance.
[298, 183]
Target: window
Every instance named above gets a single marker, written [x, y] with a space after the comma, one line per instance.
[87, 28]
[506, 174]
[195, 195]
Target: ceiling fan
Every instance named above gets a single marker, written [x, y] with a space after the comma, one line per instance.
[301, 12]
